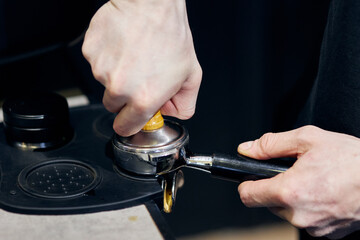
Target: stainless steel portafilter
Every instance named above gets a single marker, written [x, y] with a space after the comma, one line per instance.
[161, 149]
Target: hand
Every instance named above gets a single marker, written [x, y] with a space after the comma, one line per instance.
[321, 191]
[143, 53]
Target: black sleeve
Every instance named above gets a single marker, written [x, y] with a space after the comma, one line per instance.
[334, 103]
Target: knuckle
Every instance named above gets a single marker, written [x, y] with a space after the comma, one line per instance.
[266, 143]
[111, 101]
[307, 132]
[115, 85]
[306, 136]
[116, 82]
[189, 113]
[283, 196]
[98, 76]
[105, 73]
[199, 71]
[245, 200]
[85, 51]
[186, 114]
[143, 101]
[140, 106]
[244, 195]
[121, 130]
[112, 92]
[97, 72]
[288, 194]
[196, 76]
[108, 104]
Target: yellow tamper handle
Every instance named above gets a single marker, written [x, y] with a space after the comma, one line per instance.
[156, 122]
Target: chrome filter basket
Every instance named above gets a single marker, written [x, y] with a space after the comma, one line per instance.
[148, 151]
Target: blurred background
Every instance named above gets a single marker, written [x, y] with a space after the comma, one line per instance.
[259, 60]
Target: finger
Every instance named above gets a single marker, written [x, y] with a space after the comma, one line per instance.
[262, 193]
[176, 107]
[182, 104]
[275, 145]
[112, 102]
[129, 121]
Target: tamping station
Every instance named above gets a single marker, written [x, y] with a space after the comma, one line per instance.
[56, 160]
[160, 149]
[52, 166]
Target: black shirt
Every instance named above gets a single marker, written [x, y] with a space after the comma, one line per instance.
[334, 103]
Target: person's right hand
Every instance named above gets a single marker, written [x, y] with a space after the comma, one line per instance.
[143, 53]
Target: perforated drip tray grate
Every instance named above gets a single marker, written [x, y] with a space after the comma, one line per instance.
[60, 178]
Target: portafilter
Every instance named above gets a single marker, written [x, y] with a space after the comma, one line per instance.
[161, 149]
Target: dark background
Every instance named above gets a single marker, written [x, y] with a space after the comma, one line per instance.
[259, 59]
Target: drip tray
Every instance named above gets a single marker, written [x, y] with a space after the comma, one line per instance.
[59, 178]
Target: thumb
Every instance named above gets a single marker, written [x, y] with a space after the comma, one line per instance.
[275, 145]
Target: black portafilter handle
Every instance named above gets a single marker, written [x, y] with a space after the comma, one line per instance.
[241, 168]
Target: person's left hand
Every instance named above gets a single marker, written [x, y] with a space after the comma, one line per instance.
[321, 191]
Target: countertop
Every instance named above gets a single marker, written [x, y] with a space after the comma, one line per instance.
[130, 223]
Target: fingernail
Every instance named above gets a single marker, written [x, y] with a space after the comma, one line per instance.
[245, 146]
